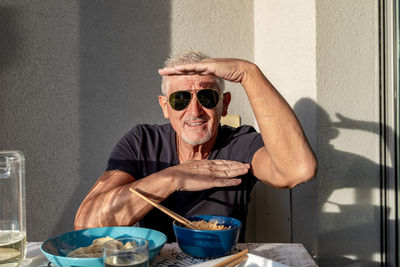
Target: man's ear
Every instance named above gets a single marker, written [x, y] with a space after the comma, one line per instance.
[226, 101]
[163, 101]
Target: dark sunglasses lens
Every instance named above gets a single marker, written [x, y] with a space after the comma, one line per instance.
[208, 98]
[179, 100]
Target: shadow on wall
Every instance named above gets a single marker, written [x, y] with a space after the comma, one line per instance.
[9, 48]
[122, 45]
[10, 45]
[348, 196]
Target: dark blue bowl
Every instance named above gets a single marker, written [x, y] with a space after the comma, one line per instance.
[208, 244]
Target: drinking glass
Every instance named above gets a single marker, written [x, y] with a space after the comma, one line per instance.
[127, 251]
[12, 209]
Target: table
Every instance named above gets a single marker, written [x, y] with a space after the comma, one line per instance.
[286, 253]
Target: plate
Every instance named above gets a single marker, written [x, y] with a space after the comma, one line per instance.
[56, 248]
[252, 261]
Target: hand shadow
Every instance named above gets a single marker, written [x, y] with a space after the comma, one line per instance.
[348, 211]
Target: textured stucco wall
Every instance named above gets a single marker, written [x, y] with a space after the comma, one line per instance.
[75, 76]
[39, 103]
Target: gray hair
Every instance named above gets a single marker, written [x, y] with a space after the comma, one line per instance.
[187, 58]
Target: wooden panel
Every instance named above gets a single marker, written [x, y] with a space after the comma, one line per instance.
[269, 218]
[231, 120]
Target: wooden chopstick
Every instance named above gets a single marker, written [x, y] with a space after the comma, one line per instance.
[172, 214]
[235, 259]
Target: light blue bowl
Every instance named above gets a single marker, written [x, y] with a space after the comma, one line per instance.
[208, 244]
[55, 249]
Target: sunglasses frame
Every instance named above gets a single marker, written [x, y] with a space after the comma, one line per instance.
[191, 92]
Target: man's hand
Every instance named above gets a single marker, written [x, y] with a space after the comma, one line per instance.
[230, 69]
[195, 175]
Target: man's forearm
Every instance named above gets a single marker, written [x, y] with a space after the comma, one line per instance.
[118, 206]
[282, 134]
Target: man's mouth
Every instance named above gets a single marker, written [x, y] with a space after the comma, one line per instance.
[195, 123]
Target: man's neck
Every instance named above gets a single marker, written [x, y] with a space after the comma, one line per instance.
[189, 152]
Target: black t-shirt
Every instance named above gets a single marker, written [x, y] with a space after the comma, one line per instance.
[147, 149]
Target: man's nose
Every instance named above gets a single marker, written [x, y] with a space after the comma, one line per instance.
[195, 108]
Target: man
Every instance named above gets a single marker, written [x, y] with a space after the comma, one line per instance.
[192, 165]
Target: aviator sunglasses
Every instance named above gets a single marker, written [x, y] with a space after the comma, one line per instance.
[208, 98]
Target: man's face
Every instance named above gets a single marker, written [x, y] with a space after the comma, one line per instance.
[195, 124]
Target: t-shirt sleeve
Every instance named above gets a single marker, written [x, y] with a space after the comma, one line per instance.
[244, 143]
[125, 153]
[256, 143]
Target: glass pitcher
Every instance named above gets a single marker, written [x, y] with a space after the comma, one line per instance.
[12, 208]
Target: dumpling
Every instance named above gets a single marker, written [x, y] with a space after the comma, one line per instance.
[100, 241]
[129, 245]
[82, 252]
[95, 250]
[97, 244]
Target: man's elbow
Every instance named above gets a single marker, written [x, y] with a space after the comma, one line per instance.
[82, 219]
[304, 173]
[78, 225]
[294, 176]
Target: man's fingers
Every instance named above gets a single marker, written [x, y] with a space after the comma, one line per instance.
[169, 71]
[227, 173]
[187, 69]
[219, 169]
[225, 162]
[226, 182]
[231, 168]
[218, 164]
[203, 174]
[198, 68]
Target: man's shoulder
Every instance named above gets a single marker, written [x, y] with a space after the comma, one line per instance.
[241, 130]
[147, 131]
[151, 128]
[240, 137]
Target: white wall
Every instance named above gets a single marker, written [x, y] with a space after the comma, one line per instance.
[284, 49]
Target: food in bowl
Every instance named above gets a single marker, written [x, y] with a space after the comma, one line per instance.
[208, 243]
[210, 225]
[95, 250]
